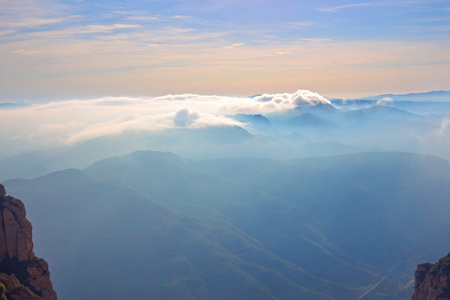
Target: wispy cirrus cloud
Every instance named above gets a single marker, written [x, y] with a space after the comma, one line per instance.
[26, 52]
[417, 29]
[341, 7]
[338, 8]
[30, 22]
[135, 62]
[299, 24]
[433, 19]
[137, 48]
[106, 28]
[30, 14]
[235, 45]
[316, 40]
[156, 18]
[82, 30]
[5, 32]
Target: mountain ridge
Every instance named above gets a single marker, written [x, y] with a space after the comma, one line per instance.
[441, 95]
[294, 225]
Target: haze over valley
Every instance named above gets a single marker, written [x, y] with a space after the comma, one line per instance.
[76, 133]
[275, 196]
[222, 150]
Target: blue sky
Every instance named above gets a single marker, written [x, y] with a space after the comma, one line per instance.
[65, 49]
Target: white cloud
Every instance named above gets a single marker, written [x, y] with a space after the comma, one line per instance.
[148, 18]
[178, 29]
[340, 7]
[121, 125]
[298, 99]
[71, 32]
[31, 22]
[234, 46]
[106, 28]
[317, 40]
[264, 104]
[31, 13]
[443, 129]
[73, 121]
[385, 100]
[156, 45]
[26, 52]
[365, 4]
[299, 24]
[185, 117]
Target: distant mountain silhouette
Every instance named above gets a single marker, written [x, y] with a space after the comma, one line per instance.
[258, 123]
[308, 120]
[240, 228]
[378, 114]
[37, 163]
[425, 96]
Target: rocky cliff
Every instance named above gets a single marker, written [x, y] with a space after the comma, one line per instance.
[22, 275]
[432, 282]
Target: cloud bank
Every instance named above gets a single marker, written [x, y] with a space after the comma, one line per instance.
[73, 121]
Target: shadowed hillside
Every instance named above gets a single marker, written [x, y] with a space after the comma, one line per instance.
[328, 228]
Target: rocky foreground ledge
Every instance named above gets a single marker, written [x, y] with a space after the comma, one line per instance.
[432, 281]
[22, 275]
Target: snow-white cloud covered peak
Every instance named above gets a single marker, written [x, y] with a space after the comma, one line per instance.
[297, 99]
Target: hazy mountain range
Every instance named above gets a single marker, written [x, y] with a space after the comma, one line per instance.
[312, 129]
[276, 196]
[433, 96]
[151, 224]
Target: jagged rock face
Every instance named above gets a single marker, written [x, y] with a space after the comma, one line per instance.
[23, 275]
[2, 191]
[432, 282]
[12, 289]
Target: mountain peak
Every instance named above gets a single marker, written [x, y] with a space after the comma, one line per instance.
[311, 120]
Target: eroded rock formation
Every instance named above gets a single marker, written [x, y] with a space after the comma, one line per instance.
[22, 274]
[432, 282]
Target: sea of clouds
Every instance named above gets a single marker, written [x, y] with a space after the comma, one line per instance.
[73, 121]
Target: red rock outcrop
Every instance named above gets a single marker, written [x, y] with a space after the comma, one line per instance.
[11, 288]
[22, 274]
[432, 282]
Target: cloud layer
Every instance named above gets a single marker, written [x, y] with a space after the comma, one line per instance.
[74, 121]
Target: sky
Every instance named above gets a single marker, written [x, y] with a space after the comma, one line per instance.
[54, 50]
